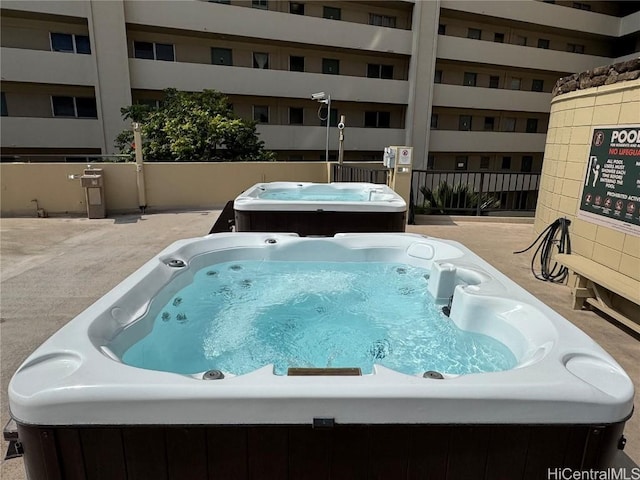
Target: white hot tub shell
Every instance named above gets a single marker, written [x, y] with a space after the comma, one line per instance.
[563, 380]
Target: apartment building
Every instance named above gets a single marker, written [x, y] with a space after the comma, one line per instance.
[466, 83]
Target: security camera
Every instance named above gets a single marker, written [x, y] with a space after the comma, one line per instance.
[318, 96]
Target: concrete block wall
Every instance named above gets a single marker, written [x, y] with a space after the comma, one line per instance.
[572, 118]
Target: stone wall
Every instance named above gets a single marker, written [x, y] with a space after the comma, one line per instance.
[596, 77]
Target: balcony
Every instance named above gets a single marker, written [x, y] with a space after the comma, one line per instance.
[39, 66]
[51, 132]
[270, 26]
[540, 13]
[457, 96]
[286, 137]
[491, 53]
[70, 9]
[485, 142]
[158, 75]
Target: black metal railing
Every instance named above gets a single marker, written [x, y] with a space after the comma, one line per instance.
[455, 192]
[352, 173]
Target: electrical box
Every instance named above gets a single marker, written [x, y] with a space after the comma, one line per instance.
[396, 157]
[389, 157]
[92, 180]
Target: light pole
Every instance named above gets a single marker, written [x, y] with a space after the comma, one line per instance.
[325, 98]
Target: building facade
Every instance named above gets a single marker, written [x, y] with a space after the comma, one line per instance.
[466, 83]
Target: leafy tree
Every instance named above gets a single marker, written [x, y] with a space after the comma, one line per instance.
[192, 127]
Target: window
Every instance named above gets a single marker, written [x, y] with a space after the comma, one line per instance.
[527, 163]
[3, 104]
[67, 42]
[331, 13]
[296, 64]
[377, 119]
[226, 2]
[437, 77]
[331, 66]
[296, 116]
[484, 163]
[474, 33]
[543, 43]
[509, 124]
[489, 123]
[260, 60]
[379, 71]
[296, 158]
[494, 81]
[261, 113]
[506, 163]
[434, 121]
[153, 51]
[442, 29]
[537, 85]
[532, 125]
[464, 122]
[333, 118]
[581, 6]
[461, 162]
[498, 37]
[62, 42]
[296, 8]
[382, 20]
[470, 79]
[63, 106]
[575, 48]
[520, 40]
[82, 44]
[261, 4]
[164, 51]
[81, 107]
[143, 50]
[221, 56]
[86, 107]
[515, 83]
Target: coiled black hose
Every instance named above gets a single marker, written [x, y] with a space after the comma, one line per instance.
[555, 234]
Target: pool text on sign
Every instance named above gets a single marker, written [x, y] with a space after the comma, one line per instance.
[611, 189]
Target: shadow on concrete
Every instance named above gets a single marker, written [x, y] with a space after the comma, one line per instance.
[124, 219]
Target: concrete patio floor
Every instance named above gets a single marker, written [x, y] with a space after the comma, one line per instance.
[52, 269]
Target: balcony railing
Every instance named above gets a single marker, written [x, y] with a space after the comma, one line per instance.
[352, 173]
[455, 192]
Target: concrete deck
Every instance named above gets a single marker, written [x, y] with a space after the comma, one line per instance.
[52, 269]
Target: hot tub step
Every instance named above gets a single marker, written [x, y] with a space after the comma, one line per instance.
[296, 372]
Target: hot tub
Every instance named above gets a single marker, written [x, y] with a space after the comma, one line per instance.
[319, 208]
[81, 409]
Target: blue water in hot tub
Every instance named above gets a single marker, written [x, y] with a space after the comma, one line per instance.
[239, 316]
[323, 194]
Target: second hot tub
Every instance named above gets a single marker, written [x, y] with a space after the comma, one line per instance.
[319, 208]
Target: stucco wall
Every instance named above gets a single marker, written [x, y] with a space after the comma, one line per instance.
[573, 116]
[168, 185]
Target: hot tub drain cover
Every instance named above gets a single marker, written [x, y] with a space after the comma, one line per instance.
[433, 374]
[213, 375]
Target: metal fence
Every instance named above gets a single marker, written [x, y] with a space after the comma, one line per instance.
[455, 192]
[351, 173]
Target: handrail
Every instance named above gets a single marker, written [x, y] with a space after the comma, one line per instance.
[473, 192]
